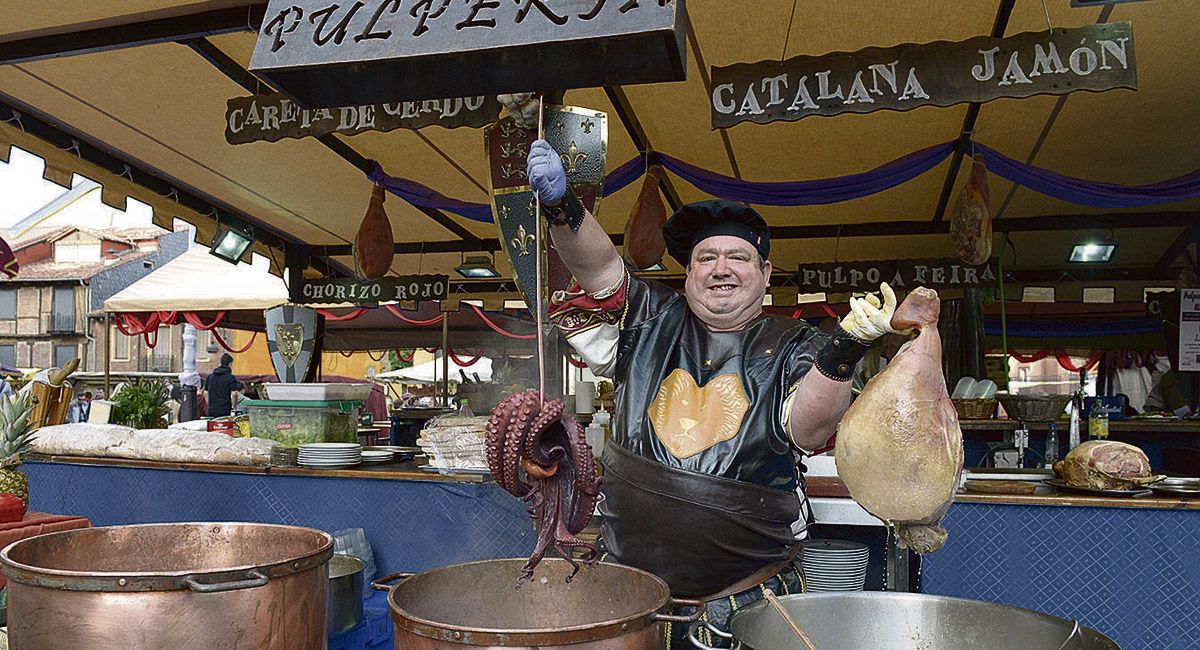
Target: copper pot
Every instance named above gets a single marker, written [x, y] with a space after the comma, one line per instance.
[606, 607]
[153, 586]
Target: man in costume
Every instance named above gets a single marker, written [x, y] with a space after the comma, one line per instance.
[712, 396]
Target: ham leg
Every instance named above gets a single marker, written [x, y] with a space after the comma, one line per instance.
[644, 244]
[899, 447]
[971, 219]
[373, 246]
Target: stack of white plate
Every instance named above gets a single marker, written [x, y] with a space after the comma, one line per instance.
[377, 456]
[834, 565]
[330, 455]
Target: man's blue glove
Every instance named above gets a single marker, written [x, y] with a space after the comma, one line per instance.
[546, 173]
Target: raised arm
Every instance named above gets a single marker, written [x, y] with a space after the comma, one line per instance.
[582, 244]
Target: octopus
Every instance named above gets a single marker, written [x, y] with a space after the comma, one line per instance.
[538, 453]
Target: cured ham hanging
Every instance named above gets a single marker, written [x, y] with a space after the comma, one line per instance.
[971, 218]
[373, 246]
[644, 243]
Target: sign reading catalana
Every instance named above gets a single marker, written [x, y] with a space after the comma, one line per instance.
[274, 117]
[367, 292]
[905, 275]
[1096, 57]
[337, 52]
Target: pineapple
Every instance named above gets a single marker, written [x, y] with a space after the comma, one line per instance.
[16, 438]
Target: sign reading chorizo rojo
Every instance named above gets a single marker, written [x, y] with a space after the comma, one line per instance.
[369, 292]
[1055, 62]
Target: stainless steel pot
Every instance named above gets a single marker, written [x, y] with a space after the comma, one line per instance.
[345, 608]
[606, 607]
[153, 586]
[868, 620]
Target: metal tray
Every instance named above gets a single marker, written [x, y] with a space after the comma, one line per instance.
[1177, 487]
[1067, 487]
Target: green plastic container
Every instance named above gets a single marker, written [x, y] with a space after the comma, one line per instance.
[294, 423]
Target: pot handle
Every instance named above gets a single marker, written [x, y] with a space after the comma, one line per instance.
[694, 636]
[677, 602]
[381, 584]
[259, 579]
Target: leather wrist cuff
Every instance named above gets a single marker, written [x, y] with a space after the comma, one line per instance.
[839, 357]
[568, 212]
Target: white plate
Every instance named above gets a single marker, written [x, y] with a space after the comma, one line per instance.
[330, 445]
[330, 454]
[376, 454]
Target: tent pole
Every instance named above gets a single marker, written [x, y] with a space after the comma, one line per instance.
[107, 354]
[446, 359]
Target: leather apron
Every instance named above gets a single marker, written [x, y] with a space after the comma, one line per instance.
[669, 521]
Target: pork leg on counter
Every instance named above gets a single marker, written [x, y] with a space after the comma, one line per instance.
[899, 448]
[538, 452]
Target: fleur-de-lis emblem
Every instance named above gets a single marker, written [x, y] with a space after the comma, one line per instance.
[505, 211]
[587, 126]
[508, 171]
[533, 205]
[573, 157]
[522, 241]
[559, 126]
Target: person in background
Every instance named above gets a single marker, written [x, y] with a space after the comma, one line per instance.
[5, 387]
[219, 387]
[79, 410]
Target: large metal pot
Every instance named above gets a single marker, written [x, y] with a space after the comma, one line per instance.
[606, 607]
[868, 620]
[345, 609]
[154, 586]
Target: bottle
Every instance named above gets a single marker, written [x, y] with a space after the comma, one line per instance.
[1051, 445]
[597, 435]
[1098, 421]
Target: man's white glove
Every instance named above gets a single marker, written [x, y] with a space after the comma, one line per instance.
[870, 319]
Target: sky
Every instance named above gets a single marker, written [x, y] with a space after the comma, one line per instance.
[24, 191]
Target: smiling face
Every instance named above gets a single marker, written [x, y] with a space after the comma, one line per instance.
[726, 282]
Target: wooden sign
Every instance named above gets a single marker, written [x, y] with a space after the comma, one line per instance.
[274, 117]
[902, 275]
[367, 292]
[336, 53]
[1096, 57]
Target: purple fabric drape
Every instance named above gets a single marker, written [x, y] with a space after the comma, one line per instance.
[842, 188]
[817, 192]
[1090, 193]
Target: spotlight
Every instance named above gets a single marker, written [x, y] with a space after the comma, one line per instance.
[477, 266]
[1097, 252]
[231, 244]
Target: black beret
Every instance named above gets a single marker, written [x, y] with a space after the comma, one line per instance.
[695, 222]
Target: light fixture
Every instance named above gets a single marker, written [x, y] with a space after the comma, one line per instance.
[231, 244]
[1093, 252]
[477, 266]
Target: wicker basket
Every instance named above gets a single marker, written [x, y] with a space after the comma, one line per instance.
[1034, 408]
[978, 408]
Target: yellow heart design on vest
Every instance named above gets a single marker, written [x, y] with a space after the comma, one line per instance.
[689, 419]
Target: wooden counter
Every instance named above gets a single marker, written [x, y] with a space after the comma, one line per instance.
[406, 470]
[831, 486]
[1135, 425]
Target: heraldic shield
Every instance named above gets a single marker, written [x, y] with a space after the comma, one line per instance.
[291, 334]
[580, 136]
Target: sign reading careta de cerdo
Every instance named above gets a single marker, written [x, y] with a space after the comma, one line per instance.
[366, 292]
[1056, 62]
[274, 117]
[340, 53]
[902, 275]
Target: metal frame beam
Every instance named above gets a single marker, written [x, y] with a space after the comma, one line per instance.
[633, 127]
[1177, 248]
[999, 25]
[1062, 222]
[119, 163]
[134, 34]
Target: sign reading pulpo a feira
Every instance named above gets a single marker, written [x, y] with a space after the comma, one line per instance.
[905, 275]
[342, 53]
[1056, 62]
